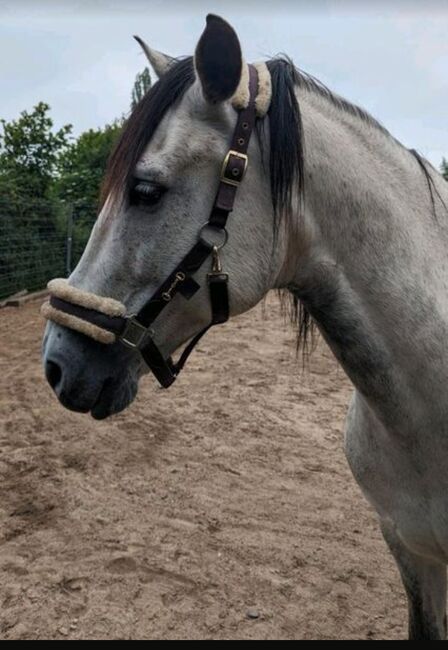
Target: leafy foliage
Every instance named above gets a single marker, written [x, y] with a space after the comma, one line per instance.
[81, 168]
[80, 171]
[141, 86]
[29, 152]
[46, 176]
[445, 168]
[31, 225]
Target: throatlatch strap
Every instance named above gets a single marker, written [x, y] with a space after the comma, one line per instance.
[163, 369]
[219, 297]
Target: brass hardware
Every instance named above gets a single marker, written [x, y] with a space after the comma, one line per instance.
[179, 277]
[134, 334]
[216, 272]
[235, 154]
[216, 263]
[208, 234]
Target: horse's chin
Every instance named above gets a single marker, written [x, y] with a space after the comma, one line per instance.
[114, 398]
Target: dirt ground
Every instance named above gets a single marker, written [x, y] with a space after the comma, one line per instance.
[225, 498]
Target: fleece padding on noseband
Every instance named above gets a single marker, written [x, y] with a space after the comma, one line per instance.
[77, 324]
[60, 288]
[240, 100]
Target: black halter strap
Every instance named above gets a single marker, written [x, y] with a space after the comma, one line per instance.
[136, 331]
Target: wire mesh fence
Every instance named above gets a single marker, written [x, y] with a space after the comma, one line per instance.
[40, 240]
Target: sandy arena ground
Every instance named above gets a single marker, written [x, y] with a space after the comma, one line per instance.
[227, 496]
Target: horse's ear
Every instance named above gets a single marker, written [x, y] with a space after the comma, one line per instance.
[218, 60]
[160, 62]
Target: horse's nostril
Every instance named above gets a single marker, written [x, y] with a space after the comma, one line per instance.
[53, 373]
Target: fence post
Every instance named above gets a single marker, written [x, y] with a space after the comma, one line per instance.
[69, 246]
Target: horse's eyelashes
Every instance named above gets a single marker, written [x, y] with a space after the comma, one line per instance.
[145, 193]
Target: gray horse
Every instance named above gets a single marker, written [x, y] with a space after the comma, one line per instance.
[335, 212]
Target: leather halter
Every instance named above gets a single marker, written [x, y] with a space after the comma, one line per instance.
[136, 331]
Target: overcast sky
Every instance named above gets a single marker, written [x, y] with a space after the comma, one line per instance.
[79, 55]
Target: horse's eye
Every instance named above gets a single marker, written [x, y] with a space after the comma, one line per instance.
[144, 193]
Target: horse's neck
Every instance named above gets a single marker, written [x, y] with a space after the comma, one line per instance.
[376, 274]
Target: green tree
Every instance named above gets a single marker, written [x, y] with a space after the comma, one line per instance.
[141, 86]
[43, 176]
[29, 152]
[81, 168]
[31, 226]
[80, 173]
[445, 168]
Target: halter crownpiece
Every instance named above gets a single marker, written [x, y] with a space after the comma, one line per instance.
[105, 320]
[240, 99]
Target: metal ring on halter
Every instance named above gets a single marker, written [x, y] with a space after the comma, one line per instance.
[222, 233]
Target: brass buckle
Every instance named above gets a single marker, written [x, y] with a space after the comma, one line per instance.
[134, 334]
[241, 156]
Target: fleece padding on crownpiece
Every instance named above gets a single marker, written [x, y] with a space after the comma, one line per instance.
[263, 100]
[240, 99]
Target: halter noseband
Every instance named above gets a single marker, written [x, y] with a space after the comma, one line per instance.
[105, 320]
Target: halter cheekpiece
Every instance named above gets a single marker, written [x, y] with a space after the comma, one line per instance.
[106, 320]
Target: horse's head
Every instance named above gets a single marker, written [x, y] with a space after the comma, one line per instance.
[159, 191]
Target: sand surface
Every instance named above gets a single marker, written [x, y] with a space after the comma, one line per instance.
[226, 497]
